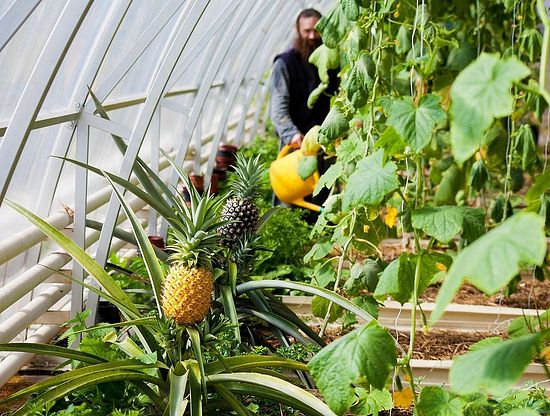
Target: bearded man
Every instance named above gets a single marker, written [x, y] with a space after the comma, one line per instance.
[293, 79]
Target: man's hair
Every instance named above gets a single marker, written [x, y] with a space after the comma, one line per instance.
[304, 14]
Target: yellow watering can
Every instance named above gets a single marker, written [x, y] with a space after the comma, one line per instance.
[287, 184]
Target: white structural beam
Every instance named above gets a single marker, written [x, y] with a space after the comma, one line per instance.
[30, 312]
[216, 60]
[275, 41]
[96, 55]
[141, 44]
[187, 22]
[37, 88]
[14, 17]
[269, 20]
[13, 362]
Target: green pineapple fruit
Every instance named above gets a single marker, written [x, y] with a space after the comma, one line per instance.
[240, 211]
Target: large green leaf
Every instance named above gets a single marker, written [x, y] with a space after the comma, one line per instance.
[177, 402]
[325, 58]
[493, 368]
[481, 93]
[248, 362]
[304, 287]
[414, 123]
[444, 222]
[372, 402]
[336, 124]
[351, 149]
[276, 385]
[154, 271]
[391, 142]
[397, 280]
[491, 261]
[320, 307]
[332, 27]
[329, 178]
[360, 80]
[365, 355]
[350, 8]
[372, 180]
[434, 401]
[357, 41]
[89, 264]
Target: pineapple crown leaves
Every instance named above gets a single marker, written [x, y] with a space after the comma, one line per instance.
[194, 228]
[249, 176]
[245, 247]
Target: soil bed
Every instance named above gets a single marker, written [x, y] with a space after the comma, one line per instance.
[530, 294]
[435, 345]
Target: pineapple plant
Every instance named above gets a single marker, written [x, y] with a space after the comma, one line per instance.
[240, 211]
[187, 287]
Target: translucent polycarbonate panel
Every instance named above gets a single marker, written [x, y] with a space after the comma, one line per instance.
[28, 178]
[18, 57]
[138, 78]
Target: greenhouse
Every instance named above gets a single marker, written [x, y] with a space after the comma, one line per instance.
[274, 207]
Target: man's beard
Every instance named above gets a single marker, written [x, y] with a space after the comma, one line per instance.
[305, 47]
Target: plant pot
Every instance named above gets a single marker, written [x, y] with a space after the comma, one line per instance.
[221, 174]
[157, 241]
[226, 157]
[214, 184]
[198, 182]
[225, 163]
[107, 312]
[228, 148]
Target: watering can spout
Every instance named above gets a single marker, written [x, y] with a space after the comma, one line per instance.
[287, 184]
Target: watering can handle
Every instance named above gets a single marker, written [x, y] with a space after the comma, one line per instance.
[284, 151]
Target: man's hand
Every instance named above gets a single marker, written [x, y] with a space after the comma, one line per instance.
[296, 141]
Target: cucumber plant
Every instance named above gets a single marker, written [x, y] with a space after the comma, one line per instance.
[435, 99]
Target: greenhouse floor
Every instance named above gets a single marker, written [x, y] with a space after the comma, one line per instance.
[16, 383]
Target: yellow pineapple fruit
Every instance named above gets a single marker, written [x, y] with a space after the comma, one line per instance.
[187, 287]
[187, 293]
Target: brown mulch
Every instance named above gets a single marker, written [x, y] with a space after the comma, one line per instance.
[529, 294]
[435, 345]
[441, 345]
[14, 384]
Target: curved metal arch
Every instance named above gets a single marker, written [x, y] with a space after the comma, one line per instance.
[187, 21]
[220, 51]
[149, 34]
[14, 17]
[219, 55]
[263, 65]
[96, 56]
[37, 87]
[236, 84]
[237, 79]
